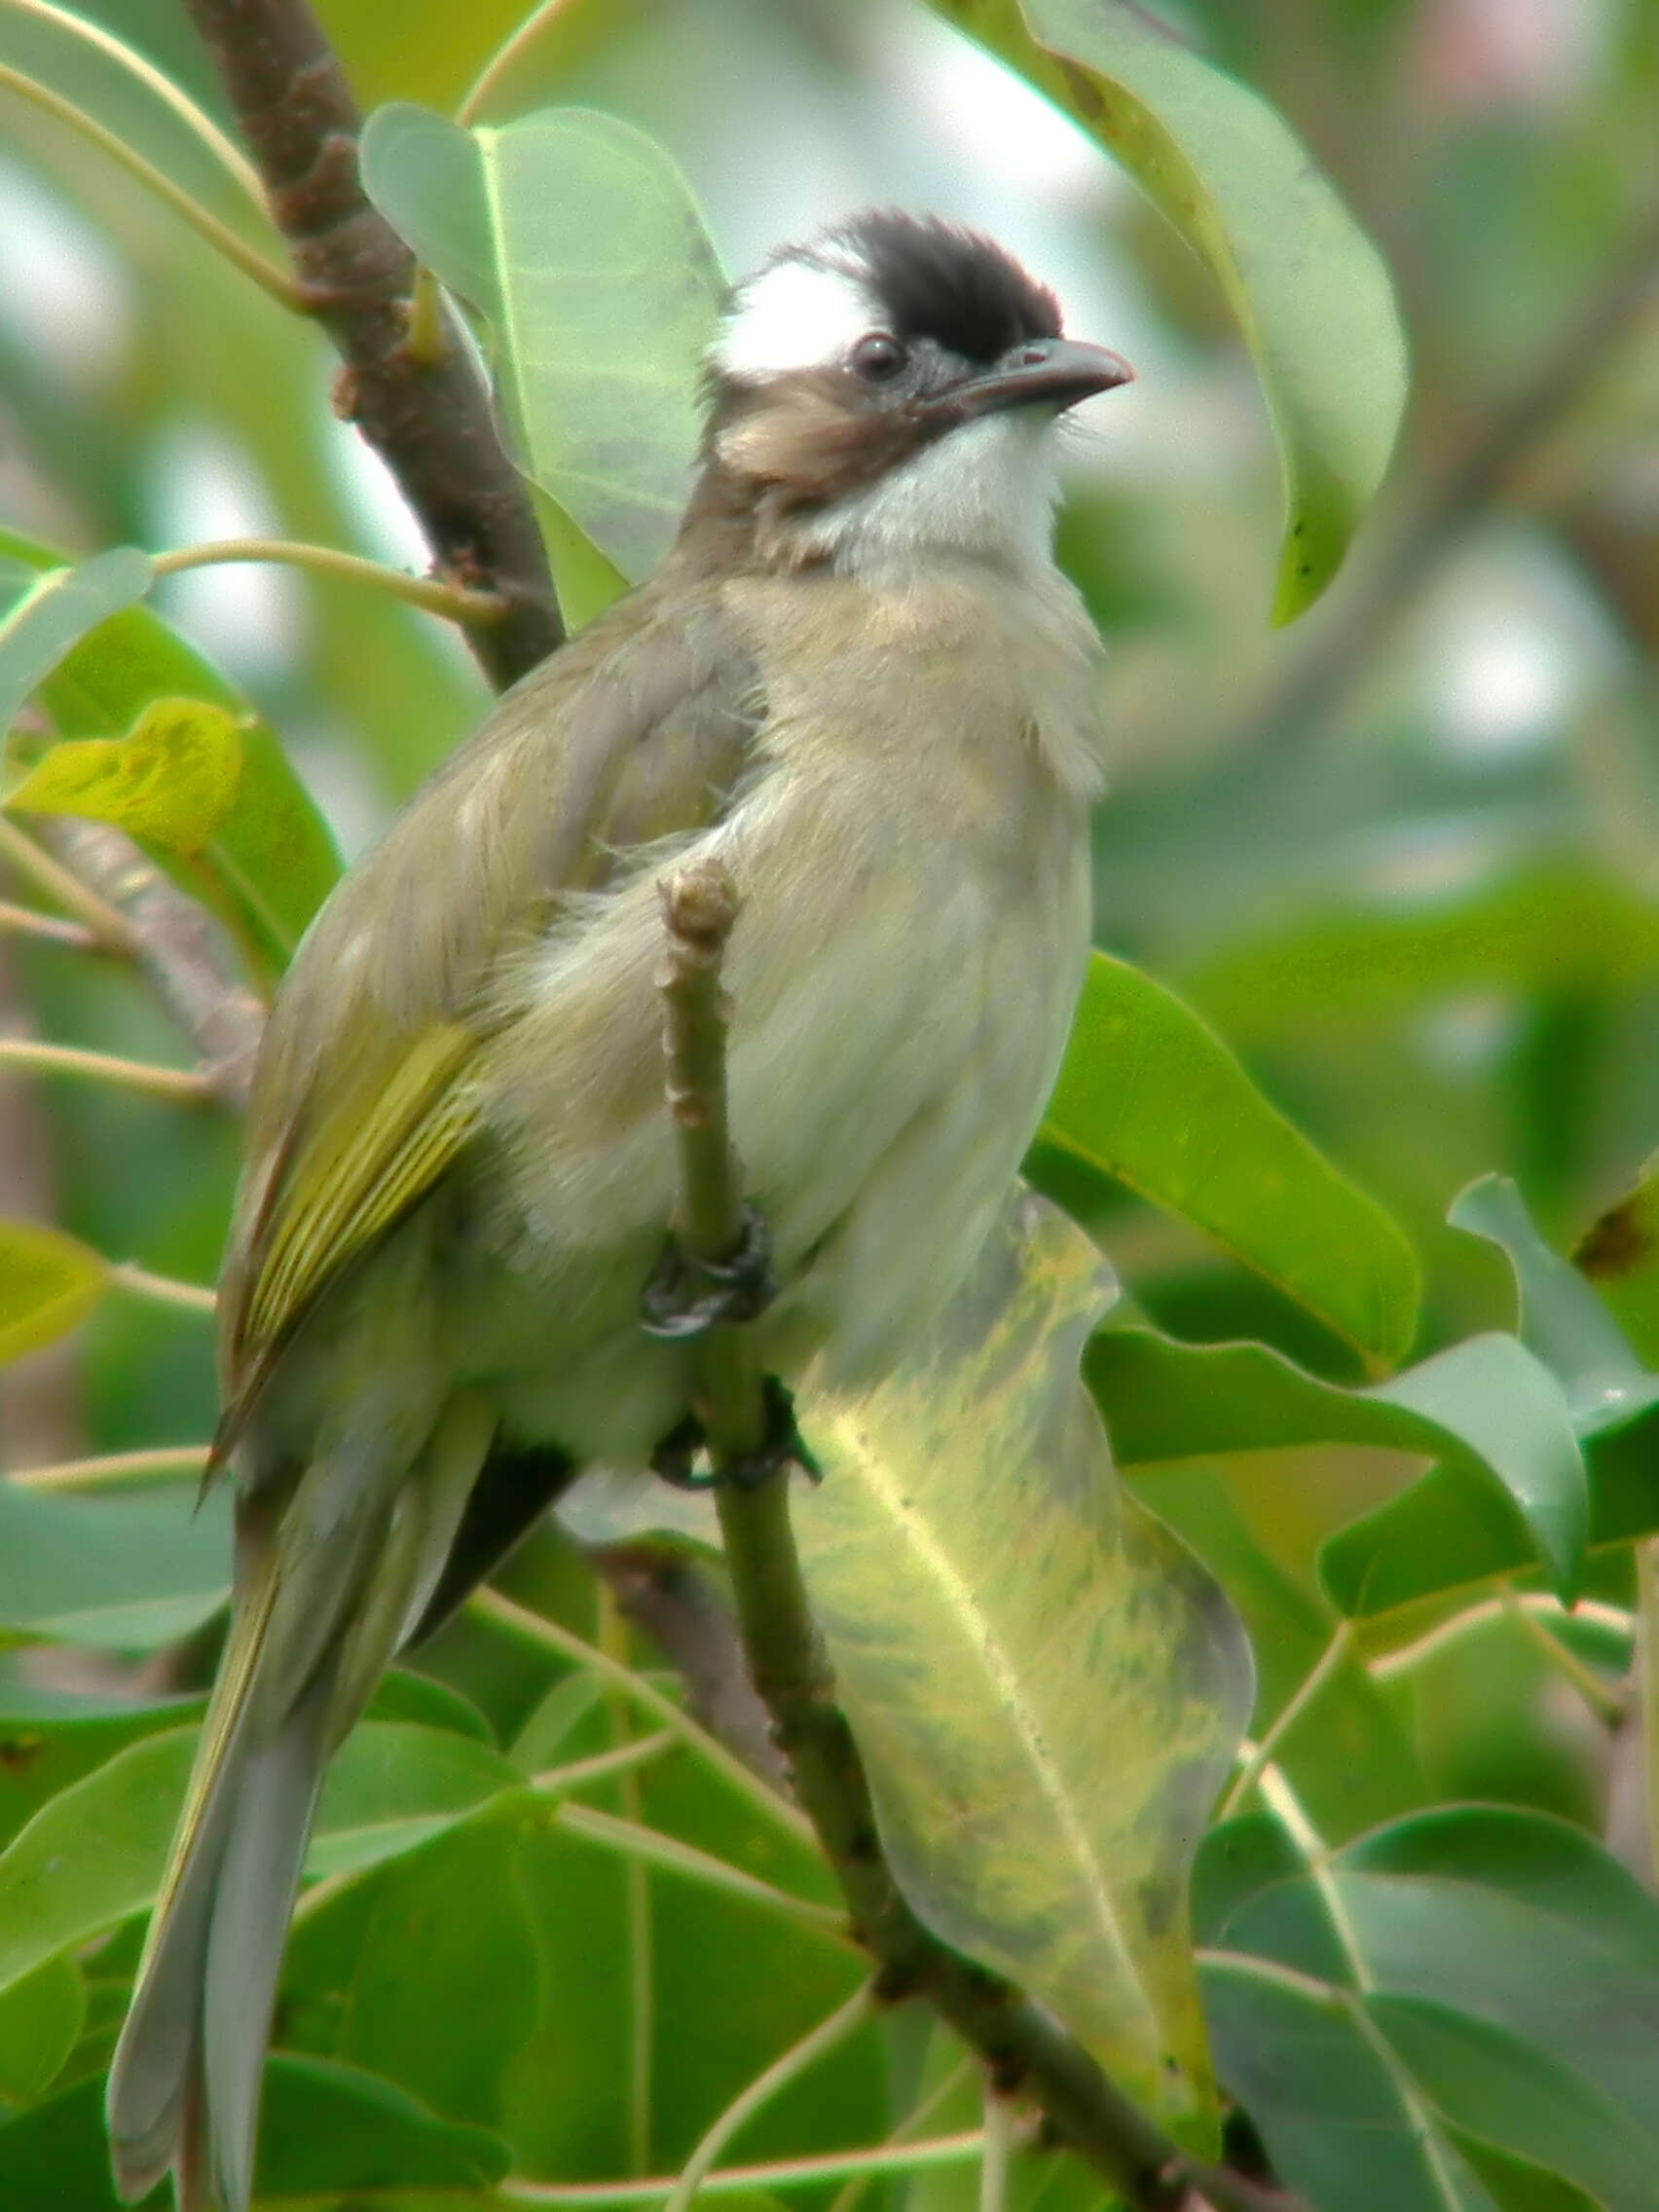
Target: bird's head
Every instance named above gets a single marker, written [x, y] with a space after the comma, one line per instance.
[890, 388]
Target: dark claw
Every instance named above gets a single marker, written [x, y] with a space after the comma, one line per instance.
[783, 1447]
[675, 1459]
[683, 1298]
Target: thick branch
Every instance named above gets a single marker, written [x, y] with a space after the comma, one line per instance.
[430, 420]
[1024, 2048]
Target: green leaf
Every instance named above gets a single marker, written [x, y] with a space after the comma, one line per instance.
[40, 2018]
[94, 1855]
[1562, 1321]
[117, 1574]
[49, 1283]
[49, 608]
[270, 861]
[49, 1738]
[1478, 1969]
[1490, 1413]
[1446, 1533]
[172, 780]
[578, 240]
[1620, 1254]
[1150, 1095]
[328, 2128]
[1044, 1687]
[1308, 289]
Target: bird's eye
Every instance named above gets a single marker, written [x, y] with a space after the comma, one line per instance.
[878, 357]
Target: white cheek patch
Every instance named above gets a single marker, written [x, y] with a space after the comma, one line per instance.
[796, 315]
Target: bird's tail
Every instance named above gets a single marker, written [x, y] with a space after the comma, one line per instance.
[324, 1600]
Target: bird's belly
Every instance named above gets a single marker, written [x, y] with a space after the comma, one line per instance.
[877, 1160]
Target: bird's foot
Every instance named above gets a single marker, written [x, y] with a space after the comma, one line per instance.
[782, 1446]
[684, 1296]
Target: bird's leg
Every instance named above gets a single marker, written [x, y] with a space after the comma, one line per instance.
[684, 1296]
[782, 1446]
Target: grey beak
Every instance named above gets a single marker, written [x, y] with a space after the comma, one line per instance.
[1048, 372]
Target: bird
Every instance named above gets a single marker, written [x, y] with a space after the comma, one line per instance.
[859, 682]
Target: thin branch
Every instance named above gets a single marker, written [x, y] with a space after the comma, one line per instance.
[431, 422]
[535, 1628]
[162, 1290]
[997, 2150]
[104, 922]
[1602, 1699]
[113, 1469]
[774, 2173]
[176, 946]
[1023, 2044]
[219, 235]
[651, 1846]
[506, 58]
[182, 1087]
[1319, 1674]
[229, 156]
[625, 1758]
[454, 602]
[918, 2115]
[829, 2034]
[46, 928]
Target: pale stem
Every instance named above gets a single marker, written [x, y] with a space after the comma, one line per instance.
[999, 2144]
[1647, 1679]
[506, 58]
[1250, 1773]
[425, 340]
[112, 1469]
[229, 156]
[829, 2034]
[612, 1640]
[183, 1085]
[916, 2117]
[1602, 1699]
[282, 287]
[23, 921]
[519, 1621]
[776, 2173]
[162, 1290]
[430, 592]
[1390, 1664]
[108, 924]
[639, 1751]
[675, 1857]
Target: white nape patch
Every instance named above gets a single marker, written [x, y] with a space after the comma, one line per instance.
[796, 315]
[987, 489]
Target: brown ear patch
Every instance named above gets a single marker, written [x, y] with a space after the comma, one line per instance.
[816, 437]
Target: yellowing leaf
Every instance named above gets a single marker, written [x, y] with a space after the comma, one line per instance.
[47, 1282]
[1045, 1686]
[173, 779]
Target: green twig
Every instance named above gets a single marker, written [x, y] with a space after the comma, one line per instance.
[999, 2148]
[229, 156]
[506, 58]
[46, 928]
[603, 1766]
[185, 1087]
[248, 259]
[1256, 1760]
[1603, 1700]
[162, 1290]
[829, 2034]
[916, 2119]
[432, 594]
[535, 1628]
[769, 2174]
[649, 1846]
[111, 1469]
[108, 926]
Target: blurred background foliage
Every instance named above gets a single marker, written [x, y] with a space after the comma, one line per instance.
[1402, 854]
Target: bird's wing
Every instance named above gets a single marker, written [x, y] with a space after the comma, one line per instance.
[640, 729]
